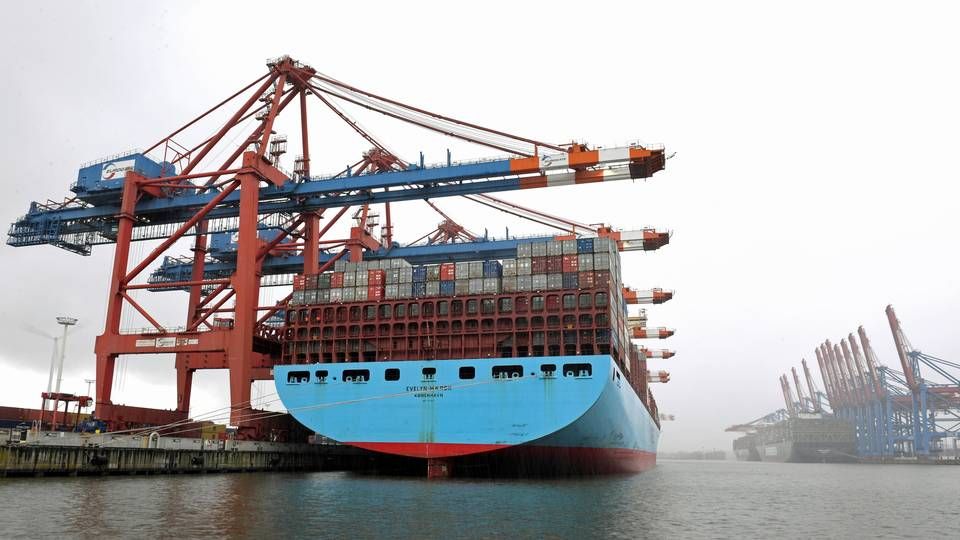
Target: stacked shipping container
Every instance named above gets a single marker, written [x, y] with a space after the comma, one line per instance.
[561, 297]
[574, 264]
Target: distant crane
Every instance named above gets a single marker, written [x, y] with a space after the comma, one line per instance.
[815, 395]
[800, 397]
[787, 397]
[897, 414]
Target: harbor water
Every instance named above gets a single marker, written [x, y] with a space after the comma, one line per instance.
[678, 499]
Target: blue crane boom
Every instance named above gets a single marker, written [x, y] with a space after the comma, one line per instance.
[91, 217]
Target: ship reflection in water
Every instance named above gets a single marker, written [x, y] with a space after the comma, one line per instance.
[677, 499]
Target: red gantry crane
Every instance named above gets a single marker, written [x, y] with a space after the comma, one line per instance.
[251, 223]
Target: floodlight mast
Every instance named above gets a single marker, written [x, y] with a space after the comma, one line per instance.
[66, 322]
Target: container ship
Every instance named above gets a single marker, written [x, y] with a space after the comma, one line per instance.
[523, 364]
[803, 439]
[802, 432]
[453, 349]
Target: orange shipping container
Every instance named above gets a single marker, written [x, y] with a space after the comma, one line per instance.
[298, 283]
[376, 277]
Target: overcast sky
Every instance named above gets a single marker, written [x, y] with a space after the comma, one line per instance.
[814, 180]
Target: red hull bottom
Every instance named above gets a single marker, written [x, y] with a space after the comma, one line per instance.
[523, 460]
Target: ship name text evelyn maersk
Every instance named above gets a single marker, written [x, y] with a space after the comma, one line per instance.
[429, 391]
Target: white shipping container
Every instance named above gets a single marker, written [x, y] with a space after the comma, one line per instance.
[524, 250]
[476, 269]
[405, 290]
[524, 267]
[554, 281]
[461, 286]
[509, 267]
[509, 284]
[406, 274]
[601, 245]
[462, 269]
[524, 283]
[349, 294]
[391, 292]
[360, 294]
[491, 285]
[323, 296]
[539, 249]
[339, 265]
[585, 262]
[433, 288]
[336, 295]
[361, 278]
[349, 279]
[601, 261]
[538, 282]
[554, 248]
[569, 247]
[476, 286]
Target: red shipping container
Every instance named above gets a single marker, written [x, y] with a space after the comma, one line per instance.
[586, 280]
[538, 265]
[448, 272]
[298, 283]
[336, 280]
[375, 292]
[602, 278]
[310, 282]
[376, 277]
[555, 264]
[571, 263]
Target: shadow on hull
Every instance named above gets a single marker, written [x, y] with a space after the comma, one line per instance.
[513, 462]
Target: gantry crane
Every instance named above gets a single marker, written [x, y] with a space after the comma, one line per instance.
[897, 414]
[254, 224]
[817, 403]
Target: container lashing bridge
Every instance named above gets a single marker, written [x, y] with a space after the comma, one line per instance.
[253, 224]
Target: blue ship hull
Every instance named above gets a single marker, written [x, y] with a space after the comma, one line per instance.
[566, 414]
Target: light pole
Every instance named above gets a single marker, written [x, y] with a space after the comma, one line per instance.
[89, 382]
[66, 322]
[53, 366]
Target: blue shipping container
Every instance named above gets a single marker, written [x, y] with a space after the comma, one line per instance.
[492, 269]
[227, 241]
[447, 288]
[419, 274]
[419, 288]
[585, 245]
